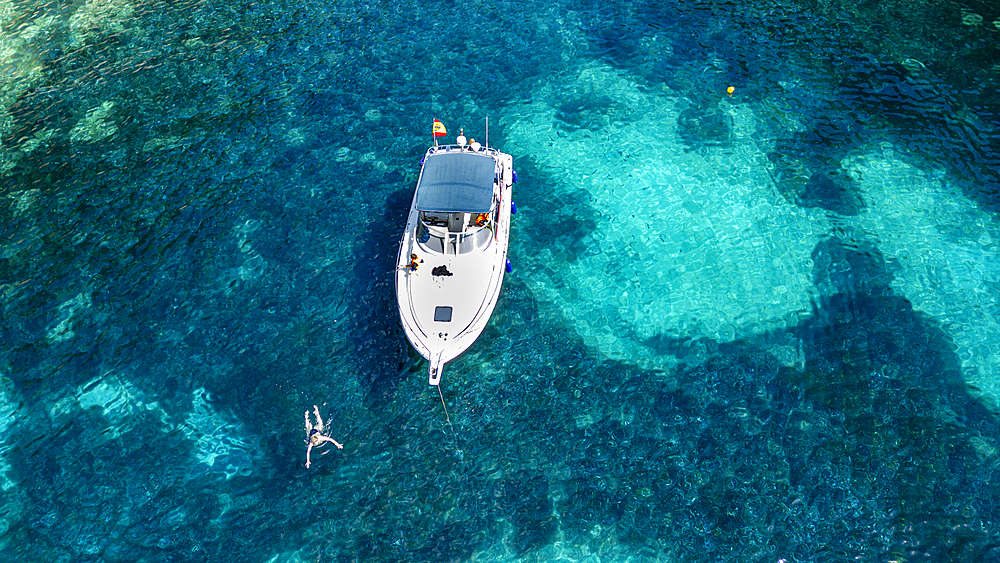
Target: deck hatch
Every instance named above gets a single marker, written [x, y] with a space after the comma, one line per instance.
[442, 314]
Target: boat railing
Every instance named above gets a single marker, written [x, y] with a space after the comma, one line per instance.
[463, 148]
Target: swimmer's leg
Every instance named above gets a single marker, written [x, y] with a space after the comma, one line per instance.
[319, 419]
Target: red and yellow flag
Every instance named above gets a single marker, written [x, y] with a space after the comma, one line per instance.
[438, 129]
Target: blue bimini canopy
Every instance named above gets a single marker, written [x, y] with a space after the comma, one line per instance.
[456, 182]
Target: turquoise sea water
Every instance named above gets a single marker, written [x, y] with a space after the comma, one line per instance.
[757, 327]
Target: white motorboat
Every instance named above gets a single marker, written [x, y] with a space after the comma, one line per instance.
[453, 254]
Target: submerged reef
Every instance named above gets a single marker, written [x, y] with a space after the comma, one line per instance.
[200, 209]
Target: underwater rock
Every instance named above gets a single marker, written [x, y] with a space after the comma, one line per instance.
[844, 267]
[834, 191]
[455, 541]
[971, 19]
[8, 408]
[705, 126]
[565, 223]
[69, 312]
[808, 170]
[586, 112]
[527, 497]
[34, 116]
[98, 124]
[98, 17]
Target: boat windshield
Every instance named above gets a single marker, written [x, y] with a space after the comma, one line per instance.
[455, 233]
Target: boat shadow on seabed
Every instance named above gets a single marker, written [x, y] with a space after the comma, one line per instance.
[381, 353]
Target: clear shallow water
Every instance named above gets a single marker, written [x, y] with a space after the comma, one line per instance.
[745, 328]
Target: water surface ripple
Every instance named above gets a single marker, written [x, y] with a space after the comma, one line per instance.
[753, 314]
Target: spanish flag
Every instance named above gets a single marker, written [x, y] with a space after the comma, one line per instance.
[438, 129]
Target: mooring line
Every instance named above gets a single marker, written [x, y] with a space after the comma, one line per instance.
[446, 416]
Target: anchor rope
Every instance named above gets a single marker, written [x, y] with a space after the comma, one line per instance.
[446, 416]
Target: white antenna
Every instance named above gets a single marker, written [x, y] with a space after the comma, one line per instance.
[487, 131]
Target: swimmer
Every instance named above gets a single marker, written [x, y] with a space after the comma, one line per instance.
[315, 435]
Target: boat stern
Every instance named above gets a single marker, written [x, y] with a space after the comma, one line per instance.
[435, 369]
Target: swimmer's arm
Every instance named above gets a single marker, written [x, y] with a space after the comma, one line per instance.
[335, 443]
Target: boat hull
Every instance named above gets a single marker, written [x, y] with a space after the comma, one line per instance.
[446, 301]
